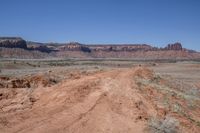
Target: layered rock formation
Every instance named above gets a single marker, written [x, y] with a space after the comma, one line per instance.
[124, 47]
[175, 46]
[77, 50]
[12, 42]
[41, 48]
[134, 47]
[75, 46]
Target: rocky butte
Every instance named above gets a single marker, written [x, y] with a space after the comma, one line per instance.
[175, 46]
[12, 42]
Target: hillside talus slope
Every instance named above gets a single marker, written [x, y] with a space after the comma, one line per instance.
[110, 101]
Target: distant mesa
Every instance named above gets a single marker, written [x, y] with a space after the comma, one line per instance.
[17, 42]
[13, 42]
[75, 46]
[120, 47]
[16, 47]
[41, 48]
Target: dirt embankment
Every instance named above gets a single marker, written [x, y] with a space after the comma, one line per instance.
[132, 100]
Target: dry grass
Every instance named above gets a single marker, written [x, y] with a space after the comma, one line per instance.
[167, 125]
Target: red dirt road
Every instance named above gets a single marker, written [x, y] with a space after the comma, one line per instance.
[104, 102]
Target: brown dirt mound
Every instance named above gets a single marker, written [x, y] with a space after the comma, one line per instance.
[27, 82]
[143, 72]
[42, 80]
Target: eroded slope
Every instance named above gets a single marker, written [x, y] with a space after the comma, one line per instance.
[119, 100]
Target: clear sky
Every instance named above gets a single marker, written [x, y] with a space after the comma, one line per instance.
[155, 22]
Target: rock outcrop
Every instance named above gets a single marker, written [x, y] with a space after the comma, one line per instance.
[12, 42]
[124, 47]
[41, 48]
[14, 47]
[75, 46]
[16, 42]
[175, 46]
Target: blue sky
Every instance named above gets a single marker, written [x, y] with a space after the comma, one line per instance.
[155, 22]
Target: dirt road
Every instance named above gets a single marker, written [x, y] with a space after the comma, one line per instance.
[104, 102]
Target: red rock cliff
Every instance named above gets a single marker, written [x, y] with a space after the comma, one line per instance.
[175, 46]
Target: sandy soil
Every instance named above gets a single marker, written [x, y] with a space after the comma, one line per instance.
[123, 100]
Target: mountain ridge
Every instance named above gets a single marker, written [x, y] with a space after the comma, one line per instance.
[12, 47]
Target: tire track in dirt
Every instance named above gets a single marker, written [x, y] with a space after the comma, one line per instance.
[105, 102]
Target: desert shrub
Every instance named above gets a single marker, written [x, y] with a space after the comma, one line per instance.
[156, 78]
[168, 125]
[193, 92]
[177, 108]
